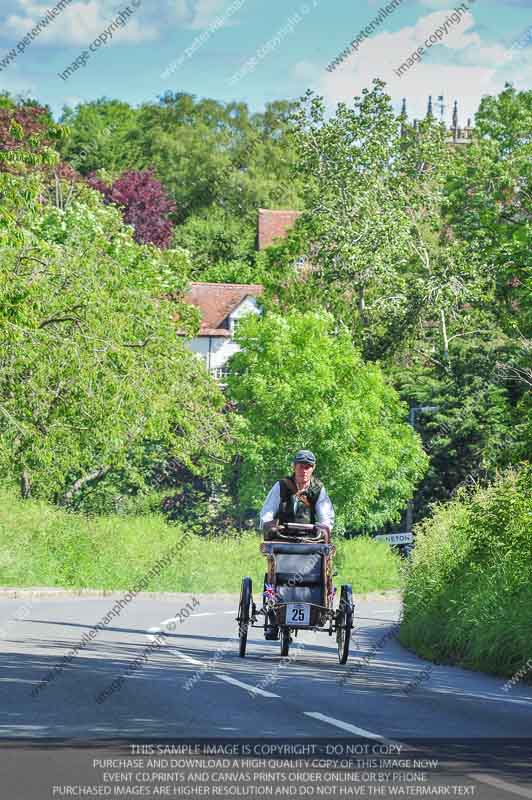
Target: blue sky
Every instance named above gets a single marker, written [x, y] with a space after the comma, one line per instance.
[204, 47]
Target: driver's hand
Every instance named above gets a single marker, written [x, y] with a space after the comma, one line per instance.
[322, 527]
[270, 528]
[325, 530]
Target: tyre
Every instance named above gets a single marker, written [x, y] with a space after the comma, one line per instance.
[244, 615]
[285, 641]
[344, 623]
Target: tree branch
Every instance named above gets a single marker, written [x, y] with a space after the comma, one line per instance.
[90, 477]
[59, 319]
[140, 345]
[467, 333]
[512, 373]
[52, 320]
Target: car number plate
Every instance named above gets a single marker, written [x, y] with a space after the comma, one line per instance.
[396, 538]
[297, 614]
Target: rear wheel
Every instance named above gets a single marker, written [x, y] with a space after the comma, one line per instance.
[285, 641]
[344, 623]
[244, 615]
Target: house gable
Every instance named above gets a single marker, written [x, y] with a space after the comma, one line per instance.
[219, 303]
[247, 306]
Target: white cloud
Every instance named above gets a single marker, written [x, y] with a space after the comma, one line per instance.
[468, 68]
[77, 24]
[459, 37]
[199, 14]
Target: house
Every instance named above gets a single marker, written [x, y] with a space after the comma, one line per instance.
[221, 306]
[273, 224]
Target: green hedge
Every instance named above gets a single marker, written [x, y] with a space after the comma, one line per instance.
[468, 595]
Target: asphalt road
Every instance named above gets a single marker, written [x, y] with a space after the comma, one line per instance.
[190, 684]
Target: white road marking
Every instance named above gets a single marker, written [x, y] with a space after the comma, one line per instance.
[504, 785]
[176, 619]
[170, 620]
[189, 658]
[158, 629]
[345, 726]
[479, 696]
[246, 686]
[204, 614]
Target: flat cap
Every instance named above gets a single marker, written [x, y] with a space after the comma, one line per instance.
[304, 457]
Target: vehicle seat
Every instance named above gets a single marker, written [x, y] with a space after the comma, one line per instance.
[299, 576]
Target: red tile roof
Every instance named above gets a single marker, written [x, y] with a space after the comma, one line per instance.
[274, 225]
[216, 301]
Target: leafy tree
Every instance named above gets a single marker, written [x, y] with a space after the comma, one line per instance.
[27, 136]
[144, 204]
[214, 154]
[299, 382]
[385, 257]
[489, 201]
[489, 207]
[359, 226]
[218, 162]
[98, 136]
[95, 386]
[378, 256]
[471, 433]
[214, 237]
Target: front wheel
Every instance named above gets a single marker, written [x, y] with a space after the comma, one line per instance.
[244, 615]
[344, 623]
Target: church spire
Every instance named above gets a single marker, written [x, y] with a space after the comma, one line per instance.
[455, 115]
[429, 107]
[403, 117]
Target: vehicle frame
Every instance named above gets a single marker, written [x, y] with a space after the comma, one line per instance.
[298, 593]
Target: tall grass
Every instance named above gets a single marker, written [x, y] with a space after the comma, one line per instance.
[41, 545]
[367, 565]
[468, 595]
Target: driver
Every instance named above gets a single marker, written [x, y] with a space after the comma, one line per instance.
[298, 498]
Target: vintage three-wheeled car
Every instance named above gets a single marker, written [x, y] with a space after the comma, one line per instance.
[298, 592]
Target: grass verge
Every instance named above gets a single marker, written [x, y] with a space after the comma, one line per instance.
[41, 545]
[468, 594]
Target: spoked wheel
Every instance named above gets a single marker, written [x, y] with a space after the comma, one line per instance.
[344, 623]
[285, 641]
[244, 615]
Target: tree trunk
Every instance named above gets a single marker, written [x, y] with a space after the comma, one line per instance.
[362, 306]
[25, 485]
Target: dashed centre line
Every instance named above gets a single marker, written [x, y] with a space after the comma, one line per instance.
[246, 686]
[189, 659]
[346, 726]
[497, 783]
